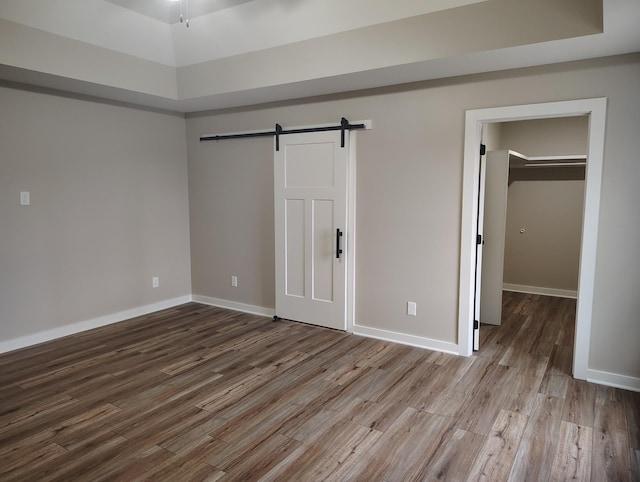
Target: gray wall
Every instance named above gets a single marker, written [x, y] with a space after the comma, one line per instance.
[109, 210]
[109, 203]
[409, 177]
[547, 254]
[564, 136]
[231, 198]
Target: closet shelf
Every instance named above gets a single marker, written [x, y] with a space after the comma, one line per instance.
[521, 161]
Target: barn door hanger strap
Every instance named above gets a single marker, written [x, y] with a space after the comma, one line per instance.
[344, 126]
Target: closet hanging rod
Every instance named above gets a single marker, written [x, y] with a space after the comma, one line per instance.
[554, 164]
[344, 126]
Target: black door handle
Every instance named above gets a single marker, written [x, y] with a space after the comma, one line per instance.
[338, 236]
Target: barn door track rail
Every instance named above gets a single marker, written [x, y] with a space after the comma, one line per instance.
[344, 126]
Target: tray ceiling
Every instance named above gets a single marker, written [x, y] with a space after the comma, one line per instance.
[241, 52]
[169, 11]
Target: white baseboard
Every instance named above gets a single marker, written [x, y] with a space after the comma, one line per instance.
[613, 380]
[377, 333]
[538, 290]
[405, 339]
[74, 328]
[234, 305]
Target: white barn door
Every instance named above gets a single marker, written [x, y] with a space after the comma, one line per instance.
[310, 186]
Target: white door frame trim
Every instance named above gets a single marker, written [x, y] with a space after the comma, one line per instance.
[350, 234]
[596, 109]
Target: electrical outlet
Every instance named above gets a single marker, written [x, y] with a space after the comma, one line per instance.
[155, 282]
[234, 281]
[411, 308]
[25, 198]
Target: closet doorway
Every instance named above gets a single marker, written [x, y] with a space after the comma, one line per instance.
[533, 209]
[476, 122]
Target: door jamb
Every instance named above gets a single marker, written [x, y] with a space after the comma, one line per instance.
[596, 109]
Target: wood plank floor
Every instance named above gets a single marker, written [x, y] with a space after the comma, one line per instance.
[201, 393]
